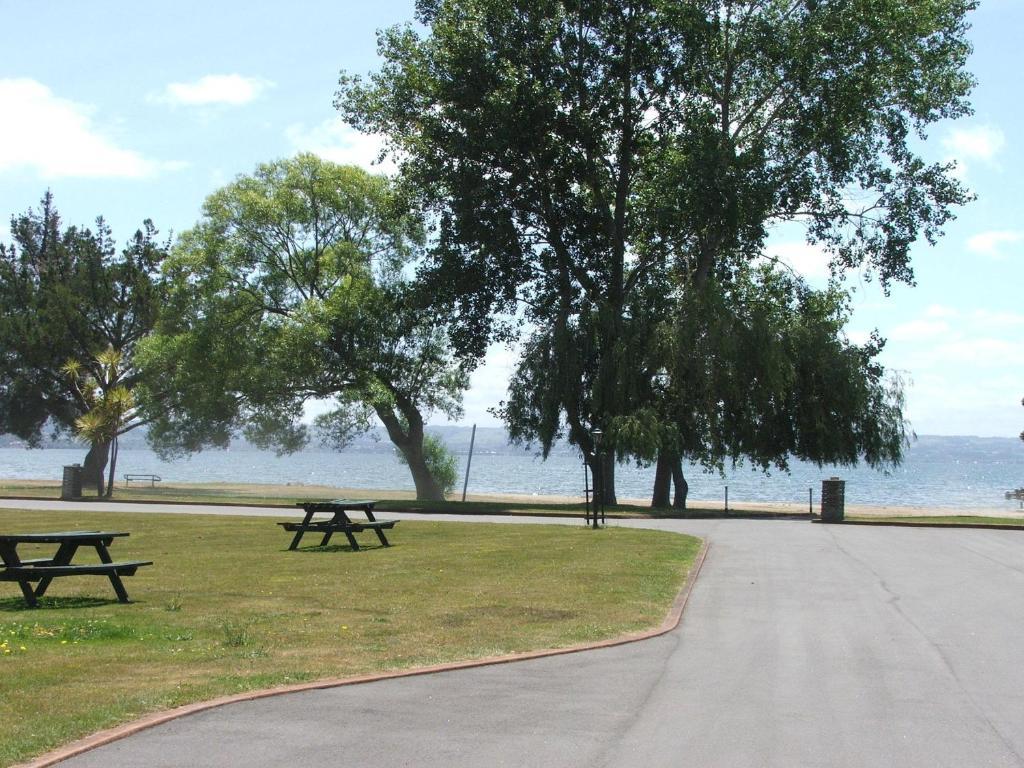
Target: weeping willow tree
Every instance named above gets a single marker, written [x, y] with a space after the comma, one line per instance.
[112, 408]
[755, 370]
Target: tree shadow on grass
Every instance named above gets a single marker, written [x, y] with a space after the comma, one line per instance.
[18, 604]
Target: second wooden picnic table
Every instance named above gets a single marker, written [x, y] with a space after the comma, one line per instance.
[339, 521]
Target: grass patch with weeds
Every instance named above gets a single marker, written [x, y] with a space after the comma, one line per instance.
[226, 608]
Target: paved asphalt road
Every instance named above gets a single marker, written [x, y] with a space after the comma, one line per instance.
[803, 645]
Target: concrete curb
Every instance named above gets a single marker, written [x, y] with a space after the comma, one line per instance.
[672, 620]
[925, 524]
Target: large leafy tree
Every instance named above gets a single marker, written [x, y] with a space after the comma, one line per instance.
[580, 156]
[292, 288]
[67, 297]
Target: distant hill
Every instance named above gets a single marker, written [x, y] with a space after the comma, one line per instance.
[492, 440]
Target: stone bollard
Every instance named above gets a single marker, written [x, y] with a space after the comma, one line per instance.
[833, 500]
[71, 486]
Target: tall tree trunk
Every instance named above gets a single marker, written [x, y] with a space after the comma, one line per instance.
[682, 487]
[408, 438]
[94, 465]
[662, 483]
[608, 478]
[426, 486]
[113, 467]
[602, 468]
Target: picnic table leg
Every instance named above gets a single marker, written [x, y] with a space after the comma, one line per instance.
[341, 519]
[28, 594]
[115, 580]
[380, 535]
[65, 552]
[298, 534]
[9, 556]
[118, 585]
[326, 538]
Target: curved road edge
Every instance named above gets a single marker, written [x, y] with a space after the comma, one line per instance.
[101, 738]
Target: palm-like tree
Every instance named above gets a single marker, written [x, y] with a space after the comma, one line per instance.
[112, 409]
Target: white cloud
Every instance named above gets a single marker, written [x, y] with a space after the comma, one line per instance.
[990, 243]
[941, 311]
[979, 142]
[232, 90]
[981, 352]
[808, 260]
[56, 137]
[335, 141]
[919, 330]
[989, 320]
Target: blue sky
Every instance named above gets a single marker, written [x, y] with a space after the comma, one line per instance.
[135, 110]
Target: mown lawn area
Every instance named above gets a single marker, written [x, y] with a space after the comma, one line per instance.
[226, 608]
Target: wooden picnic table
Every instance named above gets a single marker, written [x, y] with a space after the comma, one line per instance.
[339, 521]
[44, 570]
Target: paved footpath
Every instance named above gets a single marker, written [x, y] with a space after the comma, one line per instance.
[802, 645]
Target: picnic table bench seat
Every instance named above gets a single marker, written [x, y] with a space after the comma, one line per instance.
[28, 572]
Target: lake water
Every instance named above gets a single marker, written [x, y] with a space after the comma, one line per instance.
[953, 472]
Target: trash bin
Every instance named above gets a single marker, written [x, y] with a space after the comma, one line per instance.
[71, 487]
[833, 500]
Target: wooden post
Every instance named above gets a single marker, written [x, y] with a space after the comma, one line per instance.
[469, 460]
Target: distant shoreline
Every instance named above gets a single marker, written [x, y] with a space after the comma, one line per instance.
[290, 491]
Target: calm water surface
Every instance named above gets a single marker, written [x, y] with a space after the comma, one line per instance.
[955, 472]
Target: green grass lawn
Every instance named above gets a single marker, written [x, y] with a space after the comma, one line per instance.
[226, 608]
